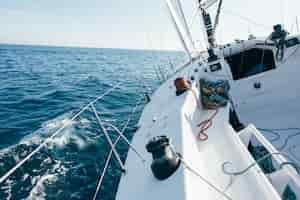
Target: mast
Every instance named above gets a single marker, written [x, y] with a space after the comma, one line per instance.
[179, 21]
[178, 27]
[185, 24]
[210, 29]
[181, 27]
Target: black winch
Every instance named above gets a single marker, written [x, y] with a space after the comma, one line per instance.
[165, 160]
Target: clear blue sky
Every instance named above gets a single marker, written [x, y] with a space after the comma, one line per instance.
[127, 24]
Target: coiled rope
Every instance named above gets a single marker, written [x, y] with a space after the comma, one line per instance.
[205, 125]
[243, 171]
[277, 135]
[36, 150]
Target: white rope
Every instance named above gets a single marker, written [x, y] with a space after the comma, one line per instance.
[110, 153]
[243, 171]
[18, 165]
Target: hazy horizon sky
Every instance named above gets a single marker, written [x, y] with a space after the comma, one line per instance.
[134, 24]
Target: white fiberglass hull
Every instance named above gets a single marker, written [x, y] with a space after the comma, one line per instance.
[177, 117]
[272, 105]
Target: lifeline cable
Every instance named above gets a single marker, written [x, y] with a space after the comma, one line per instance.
[18, 165]
[111, 151]
[100, 123]
[125, 139]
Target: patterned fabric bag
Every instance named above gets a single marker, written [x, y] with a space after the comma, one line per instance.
[214, 94]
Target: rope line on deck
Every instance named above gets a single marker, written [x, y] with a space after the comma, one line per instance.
[200, 176]
[205, 180]
[243, 171]
[277, 134]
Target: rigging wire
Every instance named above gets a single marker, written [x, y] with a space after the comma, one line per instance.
[195, 42]
[158, 76]
[297, 24]
[125, 126]
[244, 18]
[179, 29]
[282, 12]
[100, 123]
[184, 21]
[263, 52]
[125, 139]
[217, 16]
[194, 15]
[290, 55]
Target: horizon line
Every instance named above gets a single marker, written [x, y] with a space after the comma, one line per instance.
[85, 47]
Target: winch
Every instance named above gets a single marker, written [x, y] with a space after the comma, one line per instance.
[165, 160]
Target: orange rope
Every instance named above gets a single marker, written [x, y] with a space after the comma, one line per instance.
[205, 125]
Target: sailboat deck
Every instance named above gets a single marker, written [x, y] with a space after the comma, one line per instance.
[177, 117]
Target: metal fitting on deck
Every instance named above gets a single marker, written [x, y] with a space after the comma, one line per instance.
[165, 161]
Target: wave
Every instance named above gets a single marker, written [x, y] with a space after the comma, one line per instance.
[50, 163]
[40, 83]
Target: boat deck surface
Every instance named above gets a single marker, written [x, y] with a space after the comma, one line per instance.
[177, 117]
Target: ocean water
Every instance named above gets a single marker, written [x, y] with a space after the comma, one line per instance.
[41, 88]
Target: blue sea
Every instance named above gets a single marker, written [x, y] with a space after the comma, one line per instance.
[42, 87]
